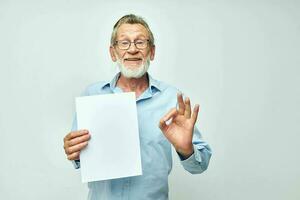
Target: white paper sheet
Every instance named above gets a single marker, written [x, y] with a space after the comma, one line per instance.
[114, 148]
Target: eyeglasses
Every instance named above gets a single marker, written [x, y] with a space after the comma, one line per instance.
[125, 44]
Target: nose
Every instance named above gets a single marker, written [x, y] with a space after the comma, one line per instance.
[132, 49]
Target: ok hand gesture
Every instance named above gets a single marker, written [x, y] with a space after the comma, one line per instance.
[178, 126]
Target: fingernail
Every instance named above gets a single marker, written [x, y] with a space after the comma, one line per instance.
[168, 122]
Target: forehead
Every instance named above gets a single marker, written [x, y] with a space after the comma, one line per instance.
[132, 30]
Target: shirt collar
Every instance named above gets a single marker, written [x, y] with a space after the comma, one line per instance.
[154, 85]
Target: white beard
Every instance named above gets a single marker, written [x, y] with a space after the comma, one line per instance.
[134, 73]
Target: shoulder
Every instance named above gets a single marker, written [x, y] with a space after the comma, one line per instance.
[166, 87]
[95, 88]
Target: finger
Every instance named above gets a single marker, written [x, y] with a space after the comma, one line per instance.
[195, 113]
[172, 113]
[180, 102]
[78, 140]
[187, 112]
[75, 134]
[162, 124]
[74, 156]
[77, 147]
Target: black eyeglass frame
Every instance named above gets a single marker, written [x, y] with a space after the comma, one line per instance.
[135, 44]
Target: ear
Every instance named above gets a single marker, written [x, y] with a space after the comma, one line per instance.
[112, 53]
[152, 52]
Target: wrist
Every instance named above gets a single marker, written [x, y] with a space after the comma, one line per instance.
[186, 153]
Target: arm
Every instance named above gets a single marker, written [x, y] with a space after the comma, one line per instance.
[76, 140]
[178, 126]
[199, 160]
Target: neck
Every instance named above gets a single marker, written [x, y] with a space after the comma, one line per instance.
[137, 85]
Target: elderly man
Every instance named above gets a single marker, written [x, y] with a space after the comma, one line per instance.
[165, 118]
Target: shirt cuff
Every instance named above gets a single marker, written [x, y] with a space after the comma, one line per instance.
[195, 158]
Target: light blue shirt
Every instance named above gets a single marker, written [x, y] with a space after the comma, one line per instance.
[156, 152]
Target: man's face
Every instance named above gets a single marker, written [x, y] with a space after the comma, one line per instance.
[133, 60]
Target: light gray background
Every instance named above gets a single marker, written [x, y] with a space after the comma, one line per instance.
[238, 59]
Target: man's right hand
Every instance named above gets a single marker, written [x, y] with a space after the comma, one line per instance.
[74, 142]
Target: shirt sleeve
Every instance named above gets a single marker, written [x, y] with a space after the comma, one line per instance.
[199, 160]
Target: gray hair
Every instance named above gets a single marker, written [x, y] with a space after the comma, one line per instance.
[131, 19]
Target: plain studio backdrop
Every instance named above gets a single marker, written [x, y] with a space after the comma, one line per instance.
[238, 59]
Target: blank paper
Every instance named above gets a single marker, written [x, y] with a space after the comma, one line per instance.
[114, 148]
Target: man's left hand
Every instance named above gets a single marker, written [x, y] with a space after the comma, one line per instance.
[178, 126]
